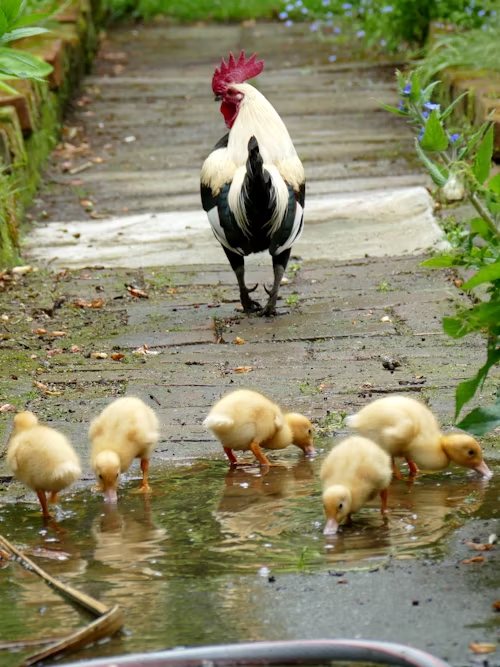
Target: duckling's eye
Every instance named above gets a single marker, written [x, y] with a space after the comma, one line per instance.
[470, 452]
[100, 476]
[341, 505]
[117, 474]
[309, 431]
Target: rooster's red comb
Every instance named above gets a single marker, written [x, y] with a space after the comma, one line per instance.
[235, 71]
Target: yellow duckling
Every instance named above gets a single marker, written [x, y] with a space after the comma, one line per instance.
[125, 430]
[404, 427]
[246, 420]
[352, 474]
[41, 458]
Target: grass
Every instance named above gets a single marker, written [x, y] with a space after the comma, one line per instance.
[196, 10]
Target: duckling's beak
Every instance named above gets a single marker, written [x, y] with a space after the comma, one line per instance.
[110, 495]
[309, 449]
[331, 527]
[483, 470]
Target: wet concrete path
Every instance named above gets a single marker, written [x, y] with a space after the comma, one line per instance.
[323, 356]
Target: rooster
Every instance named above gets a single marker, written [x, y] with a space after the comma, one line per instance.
[252, 183]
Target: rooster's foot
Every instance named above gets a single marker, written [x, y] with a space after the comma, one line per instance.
[269, 310]
[250, 306]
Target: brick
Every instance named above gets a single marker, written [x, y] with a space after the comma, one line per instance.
[5, 157]
[9, 123]
[24, 103]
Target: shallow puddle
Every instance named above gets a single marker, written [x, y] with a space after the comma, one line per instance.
[172, 560]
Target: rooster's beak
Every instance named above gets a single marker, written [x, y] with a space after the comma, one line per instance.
[218, 98]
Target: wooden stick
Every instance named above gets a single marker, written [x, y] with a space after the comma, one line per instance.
[110, 619]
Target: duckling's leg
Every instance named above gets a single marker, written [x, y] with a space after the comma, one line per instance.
[144, 487]
[383, 497]
[232, 458]
[395, 470]
[259, 455]
[43, 502]
[53, 497]
[413, 467]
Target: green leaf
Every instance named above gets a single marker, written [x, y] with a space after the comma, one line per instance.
[449, 109]
[440, 262]
[481, 420]
[486, 275]
[416, 90]
[494, 184]
[20, 33]
[465, 391]
[434, 170]
[481, 227]
[23, 65]
[427, 92]
[482, 165]
[454, 327]
[11, 9]
[434, 138]
[29, 20]
[4, 24]
[395, 110]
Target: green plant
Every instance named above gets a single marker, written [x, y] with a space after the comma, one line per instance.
[459, 163]
[292, 299]
[382, 287]
[15, 24]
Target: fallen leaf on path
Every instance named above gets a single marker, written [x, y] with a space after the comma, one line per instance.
[40, 385]
[243, 369]
[22, 270]
[474, 559]
[58, 334]
[480, 547]
[8, 407]
[40, 332]
[116, 356]
[4, 555]
[239, 341]
[135, 291]
[86, 203]
[172, 290]
[144, 349]
[75, 348]
[496, 605]
[483, 647]
[96, 303]
[53, 393]
[99, 355]
[52, 353]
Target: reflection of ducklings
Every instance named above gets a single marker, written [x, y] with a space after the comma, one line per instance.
[251, 501]
[245, 420]
[125, 430]
[123, 541]
[405, 427]
[352, 474]
[41, 458]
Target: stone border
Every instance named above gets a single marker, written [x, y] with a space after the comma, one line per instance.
[29, 121]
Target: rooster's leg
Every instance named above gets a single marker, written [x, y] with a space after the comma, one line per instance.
[279, 265]
[238, 265]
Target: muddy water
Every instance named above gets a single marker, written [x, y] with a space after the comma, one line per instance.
[173, 561]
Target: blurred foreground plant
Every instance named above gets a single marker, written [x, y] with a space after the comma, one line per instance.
[16, 23]
[459, 163]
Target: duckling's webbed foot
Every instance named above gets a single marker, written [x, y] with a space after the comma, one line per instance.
[144, 487]
[43, 502]
[413, 467]
[258, 453]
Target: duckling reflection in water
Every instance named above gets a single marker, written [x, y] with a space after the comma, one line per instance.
[251, 501]
[123, 540]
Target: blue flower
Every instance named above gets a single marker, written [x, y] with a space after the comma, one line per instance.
[421, 134]
[288, 23]
[289, 8]
[314, 27]
[348, 14]
[304, 10]
[383, 42]
[332, 58]
[337, 30]
[347, 5]
[283, 15]
[329, 22]
[402, 106]
[425, 114]
[431, 106]
[299, 3]
[407, 89]
[481, 12]
[454, 137]
[329, 15]
[326, 3]
[387, 9]
[360, 33]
